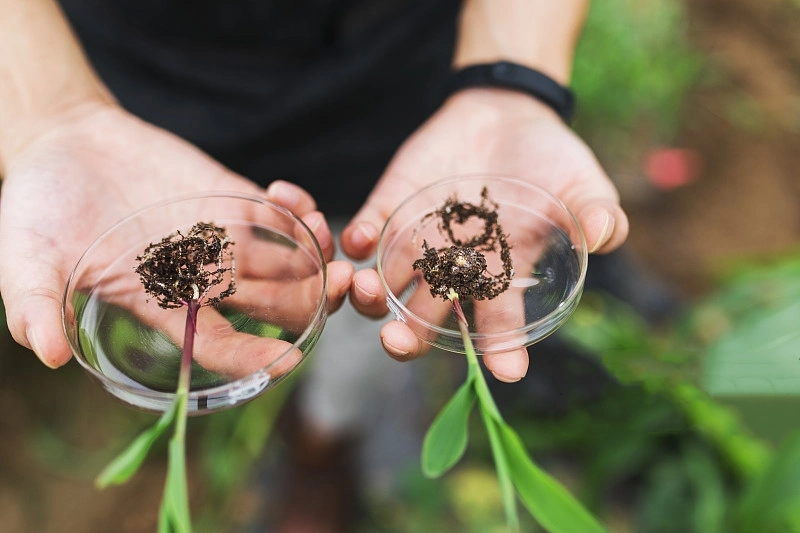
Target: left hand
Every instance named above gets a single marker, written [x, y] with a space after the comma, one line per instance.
[75, 174]
[493, 131]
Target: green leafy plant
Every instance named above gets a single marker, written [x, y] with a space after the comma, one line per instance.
[460, 270]
[633, 68]
[179, 271]
[750, 479]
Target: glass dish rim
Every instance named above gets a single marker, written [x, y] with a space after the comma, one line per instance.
[557, 316]
[319, 313]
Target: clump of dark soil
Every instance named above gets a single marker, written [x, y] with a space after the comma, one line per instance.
[181, 268]
[462, 266]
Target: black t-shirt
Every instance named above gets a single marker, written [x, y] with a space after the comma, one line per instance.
[319, 92]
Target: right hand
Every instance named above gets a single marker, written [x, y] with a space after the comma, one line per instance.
[77, 176]
[480, 131]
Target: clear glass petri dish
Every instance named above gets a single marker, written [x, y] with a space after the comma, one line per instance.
[547, 249]
[244, 345]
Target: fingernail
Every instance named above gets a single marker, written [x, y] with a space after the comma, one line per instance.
[364, 235]
[369, 297]
[394, 351]
[606, 231]
[283, 194]
[30, 334]
[506, 379]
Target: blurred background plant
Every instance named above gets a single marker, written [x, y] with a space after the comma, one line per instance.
[656, 452]
[691, 426]
[633, 71]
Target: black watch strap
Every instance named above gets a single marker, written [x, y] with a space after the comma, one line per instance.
[513, 76]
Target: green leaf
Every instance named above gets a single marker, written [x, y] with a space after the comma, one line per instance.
[175, 514]
[758, 357]
[546, 499]
[447, 437]
[128, 462]
[772, 502]
[501, 465]
[708, 487]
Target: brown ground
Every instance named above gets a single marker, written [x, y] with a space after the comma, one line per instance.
[51, 447]
[746, 130]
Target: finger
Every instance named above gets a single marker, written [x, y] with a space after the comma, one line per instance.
[271, 254]
[595, 202]
[360, 237]
[605, 226]
[291, 196]
[498, 322]
[34, 321]
[225, 343]
[32, 289]
[428, 311]
[507, 367]
[319, 227]
[289, 304]
[368, 295]
[218, 346]
[272, 242]
[400, 342]
[403, 246]
[292, 303]
[396, 261]
[340, 278]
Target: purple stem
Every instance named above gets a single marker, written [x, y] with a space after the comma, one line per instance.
[463, 325]
[192, 307]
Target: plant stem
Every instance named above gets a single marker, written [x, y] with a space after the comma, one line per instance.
[184, 377]
[503, 470]
[473, 367]
[175, 514]
[490, 415]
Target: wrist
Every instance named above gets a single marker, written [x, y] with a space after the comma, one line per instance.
[515, 77]
[44, 73]
[538, 34]
[496, 104]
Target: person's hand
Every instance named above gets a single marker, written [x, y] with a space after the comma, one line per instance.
[490, 131]
[80, 173]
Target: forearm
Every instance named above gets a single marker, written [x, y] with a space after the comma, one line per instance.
[43, 71]
[540, 34]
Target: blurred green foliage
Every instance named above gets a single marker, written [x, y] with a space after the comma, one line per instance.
[633, 70]
[656, 453]
[718, 475]
[231, 445]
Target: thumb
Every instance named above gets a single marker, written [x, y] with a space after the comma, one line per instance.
[604, 224]
[32, 281]
[33, 313]
[594, 200]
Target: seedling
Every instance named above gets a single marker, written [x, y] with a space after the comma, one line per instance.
[178, 271]
[460, 271]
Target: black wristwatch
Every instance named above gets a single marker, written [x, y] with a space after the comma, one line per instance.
[516, 77]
